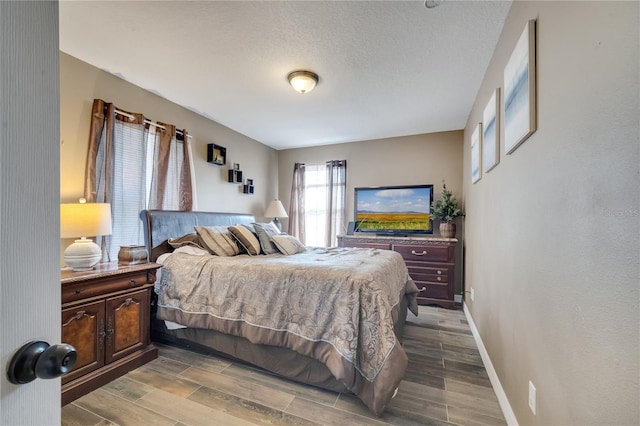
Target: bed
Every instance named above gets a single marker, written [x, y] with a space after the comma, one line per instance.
[331, 317]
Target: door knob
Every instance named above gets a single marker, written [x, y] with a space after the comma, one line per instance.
[39, 359]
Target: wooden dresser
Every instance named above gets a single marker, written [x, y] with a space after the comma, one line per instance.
[105, 316]
[430, 260]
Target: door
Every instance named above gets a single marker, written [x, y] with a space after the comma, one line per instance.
[29, 200]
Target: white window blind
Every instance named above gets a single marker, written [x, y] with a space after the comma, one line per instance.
[129, 186]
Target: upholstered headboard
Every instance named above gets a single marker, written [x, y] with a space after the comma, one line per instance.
[160, 225]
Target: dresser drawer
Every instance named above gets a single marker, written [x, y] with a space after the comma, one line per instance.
[85, 289]
[433, 291]
[381, 246]
[423, 253]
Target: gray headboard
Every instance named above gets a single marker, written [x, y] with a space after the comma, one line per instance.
[160, 225]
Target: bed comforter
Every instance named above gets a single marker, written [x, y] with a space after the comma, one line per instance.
[336, 305]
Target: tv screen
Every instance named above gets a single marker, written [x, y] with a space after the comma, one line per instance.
[395, 210]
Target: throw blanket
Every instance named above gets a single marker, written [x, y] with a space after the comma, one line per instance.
[335, 305]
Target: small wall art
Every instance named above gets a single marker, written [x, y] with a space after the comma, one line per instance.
[491, 132]
[520, 90]
[216, 154]
[476, 143]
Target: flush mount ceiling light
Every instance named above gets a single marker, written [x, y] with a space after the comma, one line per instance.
[430, 4]
[303, 81]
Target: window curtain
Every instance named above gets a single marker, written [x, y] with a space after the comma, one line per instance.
[171, 170]
[296, 205]
[134, 166]
[336, 171]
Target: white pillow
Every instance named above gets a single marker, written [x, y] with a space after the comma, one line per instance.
[288, 244]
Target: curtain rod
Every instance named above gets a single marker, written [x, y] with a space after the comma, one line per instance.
[151, 123]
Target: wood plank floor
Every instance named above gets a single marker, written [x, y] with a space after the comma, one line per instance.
[446, 383]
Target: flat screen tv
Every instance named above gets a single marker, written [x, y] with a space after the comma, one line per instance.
[394, 210]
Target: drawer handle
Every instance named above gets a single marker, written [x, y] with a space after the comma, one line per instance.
[439, 278]
[439, 272]
[423, 289]
[132, 283]
[419, 254]
[80, 290]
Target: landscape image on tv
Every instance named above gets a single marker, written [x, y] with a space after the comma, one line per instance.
[401, 209]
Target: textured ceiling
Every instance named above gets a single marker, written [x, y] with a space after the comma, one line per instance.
[387, 68]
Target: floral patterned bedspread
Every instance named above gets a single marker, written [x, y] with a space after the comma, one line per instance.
[335, 305]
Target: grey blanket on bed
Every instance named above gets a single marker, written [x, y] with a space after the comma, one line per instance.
[336, 305]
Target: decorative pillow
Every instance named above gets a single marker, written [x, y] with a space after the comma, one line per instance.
[288, 244]
[186, 240]
[265, 231]
[246, 238]
[218, 240]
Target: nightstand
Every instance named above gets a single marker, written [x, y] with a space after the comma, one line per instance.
[105, 316]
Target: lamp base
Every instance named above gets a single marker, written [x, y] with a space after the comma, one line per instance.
[82, 255]
[277, 223]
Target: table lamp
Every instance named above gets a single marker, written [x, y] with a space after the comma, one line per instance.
[84, 220]
[276, 210]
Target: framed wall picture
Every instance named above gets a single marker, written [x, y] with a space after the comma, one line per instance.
[476, 143]
[520, 90]
[491, 132]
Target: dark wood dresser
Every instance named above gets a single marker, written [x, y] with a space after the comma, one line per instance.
[430, 261]
[105, 316]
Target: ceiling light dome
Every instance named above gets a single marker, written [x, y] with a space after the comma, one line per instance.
[303, 81]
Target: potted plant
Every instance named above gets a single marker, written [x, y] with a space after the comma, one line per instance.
[445, 210]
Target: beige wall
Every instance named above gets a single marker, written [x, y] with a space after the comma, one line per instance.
[552, 247]
[407, 160]
[80, 83]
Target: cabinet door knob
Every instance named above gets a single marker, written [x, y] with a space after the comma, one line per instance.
[419, 254]
[132, 283]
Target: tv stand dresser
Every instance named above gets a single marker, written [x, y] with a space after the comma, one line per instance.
[430, 260]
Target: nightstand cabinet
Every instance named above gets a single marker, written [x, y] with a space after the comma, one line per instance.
[430, 262]
[105, 316]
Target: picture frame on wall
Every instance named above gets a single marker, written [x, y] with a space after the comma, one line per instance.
[476, 148]
[491, 132]
[520, 90]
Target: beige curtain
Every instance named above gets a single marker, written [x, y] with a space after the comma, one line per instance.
[168, 145]
[296, 205]
[117, 171]
[336, 200]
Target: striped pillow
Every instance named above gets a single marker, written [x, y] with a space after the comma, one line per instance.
[218, 240]
[288, 244]
[265, 231]
[246, 239]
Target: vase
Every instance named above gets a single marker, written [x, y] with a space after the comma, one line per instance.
[448, 230]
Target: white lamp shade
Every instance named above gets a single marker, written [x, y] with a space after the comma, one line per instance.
[303, 81]
[85, 220]
[275, 209]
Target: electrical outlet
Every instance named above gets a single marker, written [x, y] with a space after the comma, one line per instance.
[532, 397]
[472, 293]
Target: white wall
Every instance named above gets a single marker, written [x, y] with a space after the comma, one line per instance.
[552, 233]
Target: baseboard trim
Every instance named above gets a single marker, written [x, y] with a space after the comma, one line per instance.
[507, 411]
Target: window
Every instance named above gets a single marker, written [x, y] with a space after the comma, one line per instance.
[139, 167]
[318, 202]
[315, 206]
